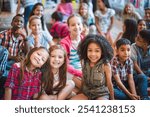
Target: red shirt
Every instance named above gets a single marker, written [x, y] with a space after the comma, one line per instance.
[29, 86]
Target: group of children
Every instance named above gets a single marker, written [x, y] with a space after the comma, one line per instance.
[83, 62]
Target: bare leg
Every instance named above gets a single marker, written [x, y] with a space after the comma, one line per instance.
[79, 97]
[66, 91]
[77, 82]
[47, 97]
[103, 98]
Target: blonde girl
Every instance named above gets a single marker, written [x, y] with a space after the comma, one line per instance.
[70, 44]
[55, 85]
[38, 37]
[130, 13]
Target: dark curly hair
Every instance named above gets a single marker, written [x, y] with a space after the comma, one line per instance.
[107, 50]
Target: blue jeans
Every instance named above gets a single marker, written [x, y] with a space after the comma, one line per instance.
[142, 83]
[119, 94]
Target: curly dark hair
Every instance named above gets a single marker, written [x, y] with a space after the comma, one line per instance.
[107, 50]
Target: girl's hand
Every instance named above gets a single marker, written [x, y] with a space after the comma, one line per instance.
[37, 39]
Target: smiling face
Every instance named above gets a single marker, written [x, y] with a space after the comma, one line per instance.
[94, 53]
[124, 52]
[83, 10]
[128, 8]
[57, 59]
[75, 25]
[35, 26]
[18, 22]
[38, 58]
[39, 10]
[141, 25]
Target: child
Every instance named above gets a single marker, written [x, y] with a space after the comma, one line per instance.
[59, 29]
[70, 44]
[140, 54]
[87, 18]
[141, 24]
[55, 84]
[122, 72]
[147, 17]
[90, 6]
[129, 31]
[38, 10]
[96, 53]
[104, 18]
[28, 5]
[3, 75]
[24, 78]
[130, 13]
[66, 8]
[13, 39]
[38, 37]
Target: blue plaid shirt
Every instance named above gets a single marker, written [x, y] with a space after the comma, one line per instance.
[3, 59]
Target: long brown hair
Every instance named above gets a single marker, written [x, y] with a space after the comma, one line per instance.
[26, 62]
[48, 78]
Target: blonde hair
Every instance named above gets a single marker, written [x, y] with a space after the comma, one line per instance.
[128, 4]
[33, 17]
[84, 5]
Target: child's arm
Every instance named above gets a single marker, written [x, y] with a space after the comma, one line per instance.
[18, 7]
[120, 84]
[98, 26]
[123, 88]
[131, 84]
[137, 68]
[107, 69]
[111, 24]
[118, 37]
[8, 93]
[66, 91]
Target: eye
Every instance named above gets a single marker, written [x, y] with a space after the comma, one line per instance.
[52, 55]
[89, 50]
[43, 59]
[97, 50]
[60, 57]
[38, 53]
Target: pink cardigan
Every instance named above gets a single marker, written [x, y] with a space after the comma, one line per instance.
[66, 43]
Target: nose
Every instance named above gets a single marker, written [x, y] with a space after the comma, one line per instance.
[126, 52]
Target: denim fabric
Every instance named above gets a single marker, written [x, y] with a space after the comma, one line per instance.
[3, 60]
[142, 83]
[27, 12]
[119, 94]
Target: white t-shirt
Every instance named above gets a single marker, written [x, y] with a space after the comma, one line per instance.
[104, 19]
